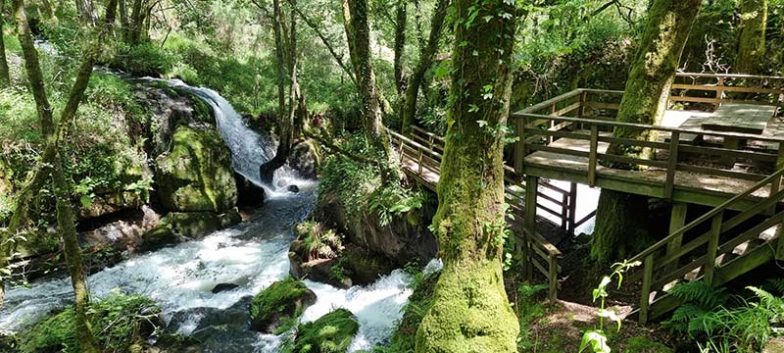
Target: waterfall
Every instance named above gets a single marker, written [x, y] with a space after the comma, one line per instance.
[251, 255]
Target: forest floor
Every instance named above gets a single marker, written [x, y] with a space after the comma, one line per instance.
[558, 327]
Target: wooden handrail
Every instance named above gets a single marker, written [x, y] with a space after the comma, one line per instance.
[648, 127]
[710, 214]
[746, 76]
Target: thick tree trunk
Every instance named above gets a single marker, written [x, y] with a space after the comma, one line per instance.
[470, 310]
[426, 57]
[5, 74]
[621, 219]
[133, 34]
[400, 43]
[751, 49]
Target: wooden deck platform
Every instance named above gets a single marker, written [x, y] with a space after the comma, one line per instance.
[692, 187]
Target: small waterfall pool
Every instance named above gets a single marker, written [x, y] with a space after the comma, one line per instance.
[251, 255]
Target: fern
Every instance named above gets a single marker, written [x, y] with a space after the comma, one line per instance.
[699, 293]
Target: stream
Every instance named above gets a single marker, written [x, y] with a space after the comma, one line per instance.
[251, 255]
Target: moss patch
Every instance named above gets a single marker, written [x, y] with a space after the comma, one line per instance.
[332, 333]
[279, 304]
[196, 175]
[121, 323]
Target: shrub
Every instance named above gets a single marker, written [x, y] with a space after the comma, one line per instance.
[143, 59]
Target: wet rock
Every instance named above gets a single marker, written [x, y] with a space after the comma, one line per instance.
[192, 225]
[304, 159]
[216, 330]
[293, 188]
[363, 266]
[249, 195]
[330, 334]
[196, 174]
[223, 287]
[315, 253]
[280, 302]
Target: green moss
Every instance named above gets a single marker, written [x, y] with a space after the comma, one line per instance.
[642, 344]
[332, 333]
[276, 308]
[196, 175]
[403, 340]
[122, 321]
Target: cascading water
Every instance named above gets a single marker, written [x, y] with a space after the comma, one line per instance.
[251, 256]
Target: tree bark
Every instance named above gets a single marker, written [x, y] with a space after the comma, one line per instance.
[66, 224]
[426, 57]
[400, 43]
[51, 157]
[751, 49]
[267, 170]
[33, 68]
[5, 73]
[470, 310]
[621, 219]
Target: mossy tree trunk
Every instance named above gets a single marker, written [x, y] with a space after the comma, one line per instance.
[5, 74]
[355, 20]
[751, 48]
[470, 310]
[401, 19]
[621, 219]
[285, 124]
[426, 57]
[51, 164]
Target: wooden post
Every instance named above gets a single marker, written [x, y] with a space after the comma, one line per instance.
[572, 208]
[677, 221]
[720, 89]
[519, 150]
[672, 165]
[552, 277]
[531, 187]
[713, 246]
[583, 100]
[593, 154]
[645, 291]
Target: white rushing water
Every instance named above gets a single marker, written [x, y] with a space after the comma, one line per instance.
[251, 256]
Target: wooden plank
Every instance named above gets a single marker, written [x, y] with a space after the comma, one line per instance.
[677, 221]
[672, 165]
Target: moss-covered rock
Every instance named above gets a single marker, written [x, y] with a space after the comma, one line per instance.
[332, 333]
[193, 225]
[124, 322]
[196, 174]
[281, 302]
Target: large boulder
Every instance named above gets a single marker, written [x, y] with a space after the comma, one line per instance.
[279, 303]
[190, 225]
[196, 174]
[332, 333]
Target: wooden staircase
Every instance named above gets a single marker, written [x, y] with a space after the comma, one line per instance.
[722, 245]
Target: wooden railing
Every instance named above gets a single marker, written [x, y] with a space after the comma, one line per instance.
[425, 149]
[669, 260]
[535, 138]
[727, 88]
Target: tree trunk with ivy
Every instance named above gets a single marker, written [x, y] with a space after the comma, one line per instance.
[426, 57]
[5, 74]
[470, 310]
[753, 23]
[621, 218]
